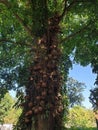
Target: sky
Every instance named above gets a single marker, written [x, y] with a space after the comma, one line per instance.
[85, 75]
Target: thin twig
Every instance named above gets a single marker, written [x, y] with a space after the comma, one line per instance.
[22, 22]
[67, 8]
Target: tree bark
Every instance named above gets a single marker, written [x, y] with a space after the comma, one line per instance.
[44, 123]
[43, 102]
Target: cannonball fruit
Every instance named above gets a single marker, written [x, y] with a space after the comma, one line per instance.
[40, 108]
[38, 97]
[28, 113]
[36, 110]
[30, 104]
[27, 120]
[44, 93]
[42, 103]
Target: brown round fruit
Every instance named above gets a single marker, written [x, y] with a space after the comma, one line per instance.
[36, 110]
[56, 98]
[27, 120]
[38, 97]
[51, 106]
[40, 108]
[42, 103]
[33, 108]
[30, 104]
[50, 91]
[29, 112]
[44, 93]
[46, 58]
[43, 84]
[44, 76]
[60, 109]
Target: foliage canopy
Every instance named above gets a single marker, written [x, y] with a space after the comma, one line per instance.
[8, 114]
[81, 117]
[56, 31]
[78, 37]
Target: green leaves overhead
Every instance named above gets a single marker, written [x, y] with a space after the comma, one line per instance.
[55, 6]
[79, 31]
[21, 21]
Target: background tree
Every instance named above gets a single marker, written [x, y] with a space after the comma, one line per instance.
[74, 90]
[36, 38]
[94, 98]
[5, 106]
[81, 117]
[8, 114]
[94, 92]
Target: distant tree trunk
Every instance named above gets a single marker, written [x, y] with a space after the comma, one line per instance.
[96, 118]
[97, 123]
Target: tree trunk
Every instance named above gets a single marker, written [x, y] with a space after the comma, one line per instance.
[44, 123]
[43, 101]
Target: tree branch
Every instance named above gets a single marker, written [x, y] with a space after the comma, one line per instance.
[5, 2]
[75, 33]
[8, 5]
[14, 42]
[64, 10]
[25, 26]
[6, 40]
[67, 8]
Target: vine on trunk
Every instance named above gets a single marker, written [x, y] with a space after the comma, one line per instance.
[43, 93]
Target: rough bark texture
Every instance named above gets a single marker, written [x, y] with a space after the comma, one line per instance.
[42, 123]
[43, 101]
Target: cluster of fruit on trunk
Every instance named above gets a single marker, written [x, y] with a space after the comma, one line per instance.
[43, 92]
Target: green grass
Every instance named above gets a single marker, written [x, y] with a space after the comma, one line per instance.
[82, 129]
